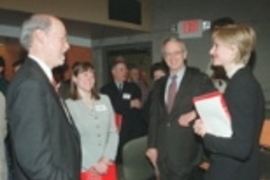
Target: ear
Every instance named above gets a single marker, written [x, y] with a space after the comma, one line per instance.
[233, 50]
[74, 79]
[39, 35]
[113, 71]
[185, 54]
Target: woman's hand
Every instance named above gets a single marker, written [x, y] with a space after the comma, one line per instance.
[101, 167]
[199, 128]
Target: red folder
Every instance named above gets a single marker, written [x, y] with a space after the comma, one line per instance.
[214, 112]
[118, 121]
[214, 94]
[93, 175]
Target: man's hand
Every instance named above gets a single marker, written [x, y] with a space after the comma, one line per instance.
[152, 154]
[185, 119]
[135, 103]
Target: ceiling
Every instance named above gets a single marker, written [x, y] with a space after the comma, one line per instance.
[74, 28]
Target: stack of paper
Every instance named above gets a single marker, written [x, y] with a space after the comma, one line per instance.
[214, 113]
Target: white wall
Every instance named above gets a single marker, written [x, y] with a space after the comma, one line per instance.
[14, 32]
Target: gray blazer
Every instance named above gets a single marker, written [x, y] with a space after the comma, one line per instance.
[3, 133]
[99, 137]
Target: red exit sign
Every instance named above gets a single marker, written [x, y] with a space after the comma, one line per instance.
[190, 28]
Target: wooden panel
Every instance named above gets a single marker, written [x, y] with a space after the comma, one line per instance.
[76, 54]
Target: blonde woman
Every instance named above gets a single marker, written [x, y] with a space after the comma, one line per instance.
[236, 158]
[94, 118]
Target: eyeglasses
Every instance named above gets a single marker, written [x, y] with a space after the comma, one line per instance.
[175, 53]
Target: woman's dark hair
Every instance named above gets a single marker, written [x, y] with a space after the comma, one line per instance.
[162, 66]
[78, 68]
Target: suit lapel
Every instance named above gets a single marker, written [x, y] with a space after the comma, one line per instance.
[162, 93]
[183, 90]
[40, 74]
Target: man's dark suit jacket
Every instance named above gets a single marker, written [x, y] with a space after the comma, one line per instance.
[237, 158]
[179, 149]
[45, 145]
[132, 125]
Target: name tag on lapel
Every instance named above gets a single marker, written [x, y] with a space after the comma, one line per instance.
[126, 96]
[101, 108]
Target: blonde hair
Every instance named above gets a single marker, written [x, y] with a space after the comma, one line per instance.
[241, 35]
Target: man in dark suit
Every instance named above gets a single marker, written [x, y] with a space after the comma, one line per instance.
[174, 149]
[45, 143]
[125, 97]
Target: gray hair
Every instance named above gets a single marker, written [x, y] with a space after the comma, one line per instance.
[175, 39]
[35, 22]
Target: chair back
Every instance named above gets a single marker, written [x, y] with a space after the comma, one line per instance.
[136, 166]
[265, 135]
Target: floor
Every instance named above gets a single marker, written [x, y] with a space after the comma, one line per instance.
[265, 164]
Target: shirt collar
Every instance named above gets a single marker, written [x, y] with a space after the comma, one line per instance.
[233, 70]
[180, 73]
[43, 66]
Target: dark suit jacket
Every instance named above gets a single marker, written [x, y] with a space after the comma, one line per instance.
[237, 158]
[45, 145]
[178, 147]
[132, 125]
[119, 103]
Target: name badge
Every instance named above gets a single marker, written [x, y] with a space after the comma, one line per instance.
[126, 96]
[101, 108]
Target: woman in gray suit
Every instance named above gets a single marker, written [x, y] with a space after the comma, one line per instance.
[3, 133]
[94, 118]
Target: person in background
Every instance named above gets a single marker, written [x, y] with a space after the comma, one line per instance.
[158, 70]
[125, 97]
[3, 133]
[136, 77]
[172, 148]
[94, 117]
[63, 85]
[45, 143]
[219, 78]
[3, 80]
[236, 158]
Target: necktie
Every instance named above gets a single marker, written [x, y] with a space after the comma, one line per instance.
[171, 93]
[120, 87]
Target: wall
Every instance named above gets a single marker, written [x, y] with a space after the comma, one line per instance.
[166, 13]
[11, 51]
[94, 11]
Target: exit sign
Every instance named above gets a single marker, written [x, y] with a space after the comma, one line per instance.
[190, 29]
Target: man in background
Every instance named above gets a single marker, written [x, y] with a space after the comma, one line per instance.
[172, 148]
[125, 97]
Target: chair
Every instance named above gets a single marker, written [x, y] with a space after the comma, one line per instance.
[265, 136]
[264, 142]
[135, 164]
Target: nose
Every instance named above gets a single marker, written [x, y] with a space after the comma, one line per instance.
[211, 51]
[67, 46]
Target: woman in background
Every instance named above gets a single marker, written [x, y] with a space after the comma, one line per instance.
[236, 158]
[94, 118]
